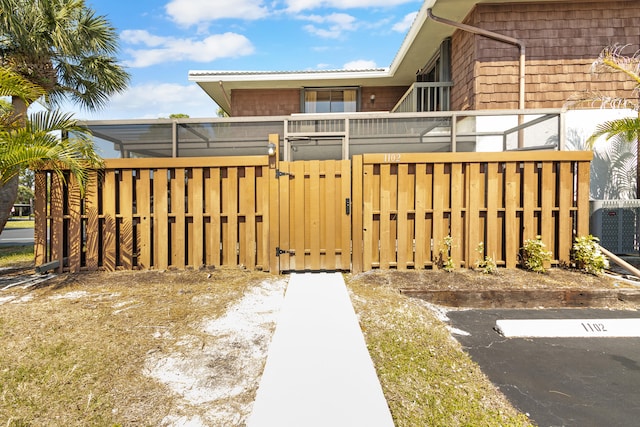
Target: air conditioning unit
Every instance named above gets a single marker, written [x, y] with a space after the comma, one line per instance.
[617, 224]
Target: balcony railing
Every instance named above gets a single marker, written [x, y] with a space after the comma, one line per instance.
[334, 136]
[425, 97]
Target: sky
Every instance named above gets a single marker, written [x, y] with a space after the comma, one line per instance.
[161, 41]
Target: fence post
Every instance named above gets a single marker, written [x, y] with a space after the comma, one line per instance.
[274, 205]
[357, 250]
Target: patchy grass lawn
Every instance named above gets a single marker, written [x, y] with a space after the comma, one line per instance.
[20, 223]
[16, 256]
[92, 349]
[426, 377]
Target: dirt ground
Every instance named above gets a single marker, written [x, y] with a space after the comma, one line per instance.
[504, 279]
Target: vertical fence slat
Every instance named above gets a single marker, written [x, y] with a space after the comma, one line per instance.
[288, 230]
[565, 225]
[178, 214]
[368, 235]
[387, 246]
[547, 204]
[314, 214]
[40, 211]
[92, 225]
[421, 239]
[74, 235]
[439, 232]
[457, 194]
[272, 222]
[345, 228]
[511, 227]
[582, 202]
[297, 216]
[109, 236]
[492, 232]
[473, 210]
[357, 214]
[57, 220]
[529, 200]
[248, 211]
[263, 226]
[212, 210]
[143, 210]
[196, 201]
[126, 237]
[230, 210]
[331, 214]
[405, 236]
[160, 219]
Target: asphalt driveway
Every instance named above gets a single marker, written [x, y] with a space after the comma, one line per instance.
[558, 381]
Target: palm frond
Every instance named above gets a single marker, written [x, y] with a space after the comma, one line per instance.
[12, 84]
[37, 146]
[627, 128]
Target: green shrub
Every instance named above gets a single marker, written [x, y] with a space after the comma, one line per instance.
[534, 255]
[587, 256]
[445, 261]
[487, 264]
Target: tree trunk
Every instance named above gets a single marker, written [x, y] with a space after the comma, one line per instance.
[9, 190]
[8, 196]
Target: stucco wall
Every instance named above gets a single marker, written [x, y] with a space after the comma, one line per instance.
[562, 40]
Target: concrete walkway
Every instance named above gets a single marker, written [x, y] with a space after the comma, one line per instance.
[318, 370]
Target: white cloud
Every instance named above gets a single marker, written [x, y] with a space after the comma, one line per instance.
[191, 12]
[169, 49]
[360, 64]
[405, 24]
[300, 5]
[141, 36]
[336, 24]
[153, 100]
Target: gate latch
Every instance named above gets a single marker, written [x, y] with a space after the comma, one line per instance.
[279, 173]
[280, 251]
[347, 206]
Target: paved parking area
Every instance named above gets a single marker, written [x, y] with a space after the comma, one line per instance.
[558, 381]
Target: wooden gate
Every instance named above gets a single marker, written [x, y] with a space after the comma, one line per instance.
[314, 215]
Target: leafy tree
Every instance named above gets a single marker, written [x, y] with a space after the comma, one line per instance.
[25, 194]
[60, 49]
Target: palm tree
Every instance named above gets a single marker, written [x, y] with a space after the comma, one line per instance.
[32, 141]
[63, 47]
[612, 59]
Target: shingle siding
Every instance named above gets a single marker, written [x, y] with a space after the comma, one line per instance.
[562, 40]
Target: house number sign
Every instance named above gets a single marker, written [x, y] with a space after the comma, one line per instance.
[392, 157]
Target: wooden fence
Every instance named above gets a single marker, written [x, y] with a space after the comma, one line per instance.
[230, 211]
[157, 213]
[412, 202]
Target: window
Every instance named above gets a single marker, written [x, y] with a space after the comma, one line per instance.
[331, 100]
